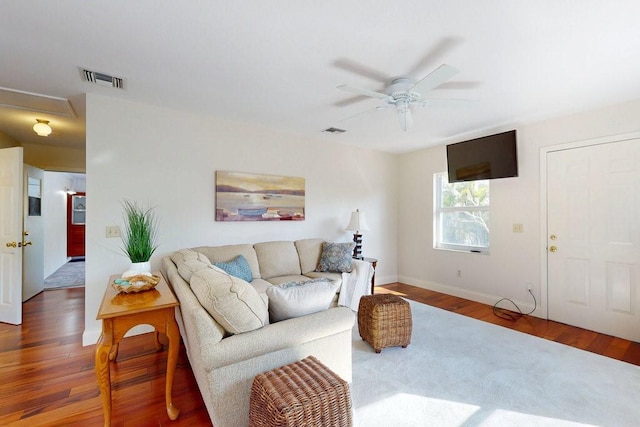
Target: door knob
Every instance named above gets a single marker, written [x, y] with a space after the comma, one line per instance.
[553, 249]
[27, 243]
[12, 244]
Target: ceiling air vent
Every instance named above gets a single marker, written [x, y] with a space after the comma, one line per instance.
[334, 130]
[103, 79]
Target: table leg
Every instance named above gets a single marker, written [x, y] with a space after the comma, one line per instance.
[114, 352]
[373, 278]
[173, 334]
[158, 344]
[103, 348]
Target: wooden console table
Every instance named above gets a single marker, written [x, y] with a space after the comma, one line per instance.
[120, 312]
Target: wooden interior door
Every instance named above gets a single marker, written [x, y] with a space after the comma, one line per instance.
[11, 209]
[76, 214]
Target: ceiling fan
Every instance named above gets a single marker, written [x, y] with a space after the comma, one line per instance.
[404, 92]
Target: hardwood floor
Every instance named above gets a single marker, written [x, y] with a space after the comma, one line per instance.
[47, 377]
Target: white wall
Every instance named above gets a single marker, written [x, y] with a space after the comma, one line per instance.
[515, 257]
[54, 201]
[168, 159]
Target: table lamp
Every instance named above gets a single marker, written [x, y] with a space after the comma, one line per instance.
[357, 224]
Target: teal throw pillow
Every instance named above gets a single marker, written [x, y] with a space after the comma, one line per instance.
[237, 267]
[336, 257]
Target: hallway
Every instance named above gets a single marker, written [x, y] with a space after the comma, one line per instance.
[70, 275]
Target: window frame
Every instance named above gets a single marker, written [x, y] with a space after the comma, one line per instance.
[438, 210]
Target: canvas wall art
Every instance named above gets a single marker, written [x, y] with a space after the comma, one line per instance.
[252, 197]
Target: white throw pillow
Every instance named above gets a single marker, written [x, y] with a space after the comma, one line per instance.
[299, 299]
[231, 301]
[188, 262]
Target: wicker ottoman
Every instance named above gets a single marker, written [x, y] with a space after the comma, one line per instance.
[305, 393]
[384, 320]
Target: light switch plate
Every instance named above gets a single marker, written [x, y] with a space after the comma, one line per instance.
[112, 231]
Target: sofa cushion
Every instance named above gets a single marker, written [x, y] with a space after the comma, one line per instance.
[336, 257]
[227, 252]
[279, 280]
[309, 251]
[297, 299]
[238, 267]
[231, 301]
[188, 262]
[277, 259]
[335, 277]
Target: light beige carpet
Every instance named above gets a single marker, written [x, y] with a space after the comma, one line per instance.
[459, 371]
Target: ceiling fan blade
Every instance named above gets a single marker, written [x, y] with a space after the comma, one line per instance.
[365, 92]
[350, 101]
[446, 102]
[434, 55]
[363, 70]
[457, 85]
[435, 78]
[362, 113]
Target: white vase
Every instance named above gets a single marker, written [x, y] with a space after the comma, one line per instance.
[137, 268]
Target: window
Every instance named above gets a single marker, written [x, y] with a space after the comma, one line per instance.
[461, 214]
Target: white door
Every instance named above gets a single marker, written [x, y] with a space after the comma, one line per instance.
[33, 242]
[11, 199]
[593, 241]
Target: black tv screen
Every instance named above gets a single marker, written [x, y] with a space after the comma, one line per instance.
[489, 157]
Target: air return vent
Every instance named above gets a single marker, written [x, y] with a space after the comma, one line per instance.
[334, 130]
[103, 79]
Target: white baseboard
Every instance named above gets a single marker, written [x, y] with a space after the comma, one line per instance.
[480, 297]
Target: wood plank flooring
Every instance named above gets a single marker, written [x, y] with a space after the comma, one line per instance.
[47, 377]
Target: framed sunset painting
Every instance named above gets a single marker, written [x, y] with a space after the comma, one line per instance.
[244, 196]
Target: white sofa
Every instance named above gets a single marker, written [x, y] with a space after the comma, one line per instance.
[225, 364]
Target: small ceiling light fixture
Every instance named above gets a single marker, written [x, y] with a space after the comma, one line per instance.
[42, 128]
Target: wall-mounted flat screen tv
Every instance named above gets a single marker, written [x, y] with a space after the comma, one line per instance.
[489, 157]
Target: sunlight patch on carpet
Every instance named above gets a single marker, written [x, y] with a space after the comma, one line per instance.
[413, 410]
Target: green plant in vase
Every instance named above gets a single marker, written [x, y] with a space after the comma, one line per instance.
[139, 237]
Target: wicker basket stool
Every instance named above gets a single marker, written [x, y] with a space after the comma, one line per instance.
[384, 320]
[304, 393]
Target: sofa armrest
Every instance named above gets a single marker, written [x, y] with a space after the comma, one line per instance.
[277, 336]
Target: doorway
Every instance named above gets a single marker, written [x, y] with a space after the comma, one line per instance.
[62, 270]
[593, 236]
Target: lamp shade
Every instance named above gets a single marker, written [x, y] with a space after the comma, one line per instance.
[358, 222]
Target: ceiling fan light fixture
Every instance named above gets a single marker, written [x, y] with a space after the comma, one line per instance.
[404, 116]
[42, 127]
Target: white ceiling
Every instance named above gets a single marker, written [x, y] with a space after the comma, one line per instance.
[277, 63]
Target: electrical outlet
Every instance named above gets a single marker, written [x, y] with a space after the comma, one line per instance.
[518, 228]
[529, 286]
[112, 231]
[459, 273]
